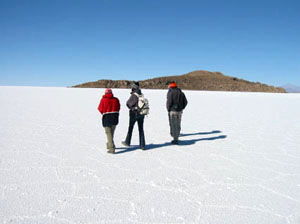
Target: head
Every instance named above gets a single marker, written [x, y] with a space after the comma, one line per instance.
[172, 85]
[135, 86]
[108, 91]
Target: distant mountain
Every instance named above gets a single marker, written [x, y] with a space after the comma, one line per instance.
[290, 88]
[196, 80]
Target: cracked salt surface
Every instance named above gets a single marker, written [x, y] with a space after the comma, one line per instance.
[238, 162]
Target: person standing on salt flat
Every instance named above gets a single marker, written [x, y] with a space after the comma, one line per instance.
[176, 103]
[109, 107]
[135, 116]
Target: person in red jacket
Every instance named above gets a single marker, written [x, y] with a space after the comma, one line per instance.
[109, 107]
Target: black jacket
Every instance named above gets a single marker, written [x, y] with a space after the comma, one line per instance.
[176, 100]
[132, 102]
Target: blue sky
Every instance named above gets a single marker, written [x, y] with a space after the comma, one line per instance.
[67, 42]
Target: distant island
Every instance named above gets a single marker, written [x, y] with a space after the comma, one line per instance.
[290, 88]
[196, 80]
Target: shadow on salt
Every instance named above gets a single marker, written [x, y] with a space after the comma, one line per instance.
[181, 142]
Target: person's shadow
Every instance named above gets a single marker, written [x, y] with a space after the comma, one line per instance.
[201, 133]
[181, 142]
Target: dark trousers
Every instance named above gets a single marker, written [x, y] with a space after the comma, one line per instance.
[133, 117]
[175, 123]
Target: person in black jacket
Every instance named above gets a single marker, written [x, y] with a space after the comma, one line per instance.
[134, 116]
[176, 103]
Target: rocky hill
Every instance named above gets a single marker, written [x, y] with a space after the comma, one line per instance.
[197, 80]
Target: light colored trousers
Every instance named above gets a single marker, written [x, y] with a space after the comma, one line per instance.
[109, 131]
[175, 123]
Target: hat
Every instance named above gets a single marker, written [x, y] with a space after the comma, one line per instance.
[108, 91]
[135, 85]
[172, 85]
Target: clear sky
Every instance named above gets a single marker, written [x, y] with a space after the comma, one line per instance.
[67, 42]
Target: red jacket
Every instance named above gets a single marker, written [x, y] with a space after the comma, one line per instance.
[109, 104]
[109, 107]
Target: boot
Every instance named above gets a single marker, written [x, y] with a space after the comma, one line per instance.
[112, 151]
[125, 144]
[175, 142]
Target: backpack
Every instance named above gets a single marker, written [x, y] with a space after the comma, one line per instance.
[183, 100]
[142, 105]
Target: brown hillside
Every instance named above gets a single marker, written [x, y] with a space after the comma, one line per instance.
[197, 80]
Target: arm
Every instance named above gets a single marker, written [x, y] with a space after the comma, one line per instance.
[118, 105]
[169, 101]
[100, 107]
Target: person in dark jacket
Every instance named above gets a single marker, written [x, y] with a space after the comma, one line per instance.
[109, 107]
[134, 116]
[176, 103]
